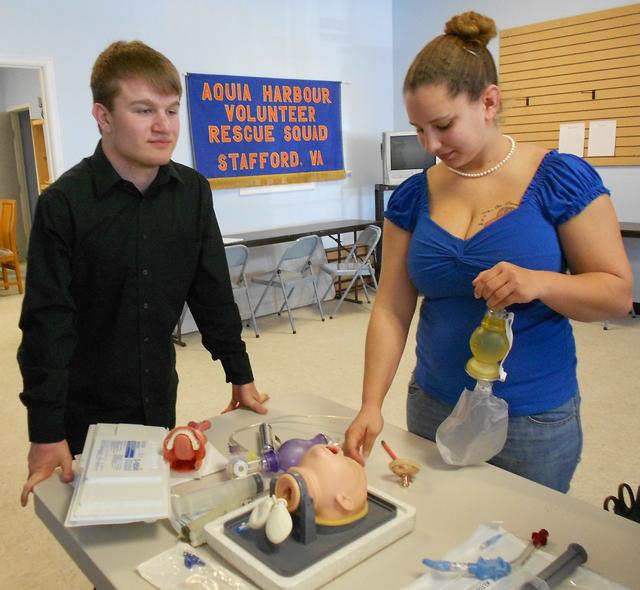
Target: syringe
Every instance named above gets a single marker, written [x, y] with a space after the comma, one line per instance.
[559, 569]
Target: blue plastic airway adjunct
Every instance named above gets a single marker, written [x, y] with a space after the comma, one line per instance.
[490, 569]
[483, 569]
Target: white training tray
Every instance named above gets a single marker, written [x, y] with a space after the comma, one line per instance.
[321, 571]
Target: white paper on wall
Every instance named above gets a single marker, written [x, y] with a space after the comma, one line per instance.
[571, 139]
[602, 138]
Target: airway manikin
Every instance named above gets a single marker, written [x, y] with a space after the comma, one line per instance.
[184, 447]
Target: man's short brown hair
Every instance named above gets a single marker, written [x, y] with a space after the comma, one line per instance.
[124, 59]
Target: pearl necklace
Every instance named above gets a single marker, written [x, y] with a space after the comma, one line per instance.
[490, 170]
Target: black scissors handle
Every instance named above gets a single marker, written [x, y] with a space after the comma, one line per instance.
[625, 504]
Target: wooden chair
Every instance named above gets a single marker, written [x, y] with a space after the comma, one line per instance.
[8, 250]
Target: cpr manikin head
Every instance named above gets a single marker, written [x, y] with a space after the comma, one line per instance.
[337, 484]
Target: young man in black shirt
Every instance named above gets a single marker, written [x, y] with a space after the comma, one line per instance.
[118, 244]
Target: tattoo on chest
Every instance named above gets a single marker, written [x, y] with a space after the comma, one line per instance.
[490, 215]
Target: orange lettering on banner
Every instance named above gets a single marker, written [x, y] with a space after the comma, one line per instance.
[295, 94]
[272, 113]
[286, 104]
[243, 113]
[234, 160]
[206, 92]
[316, 158]
[262, 113]
[305, 133]
[257, 160]
[231, 91]
[240, 133]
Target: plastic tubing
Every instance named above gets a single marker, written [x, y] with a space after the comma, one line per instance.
[318, 421]
[559, 569]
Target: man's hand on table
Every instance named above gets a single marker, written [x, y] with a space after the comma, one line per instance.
[247, 396]
[43, 460]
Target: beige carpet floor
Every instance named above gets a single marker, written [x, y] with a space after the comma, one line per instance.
[325, 359]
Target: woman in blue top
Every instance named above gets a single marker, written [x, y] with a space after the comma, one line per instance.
[493, 224]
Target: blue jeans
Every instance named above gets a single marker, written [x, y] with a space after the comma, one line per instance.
[543, 447]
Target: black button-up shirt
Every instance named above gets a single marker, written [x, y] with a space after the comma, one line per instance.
[109, 270]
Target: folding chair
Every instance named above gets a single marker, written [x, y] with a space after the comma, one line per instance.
[293, 270]
[354, 266]
[237, 256]
[632, 312]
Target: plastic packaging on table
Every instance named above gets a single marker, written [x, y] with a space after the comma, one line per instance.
[181, 568]
[491, 541]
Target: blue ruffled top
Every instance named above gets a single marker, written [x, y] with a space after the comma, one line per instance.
[541, 365]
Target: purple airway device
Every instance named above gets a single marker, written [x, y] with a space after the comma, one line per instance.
[290, 453]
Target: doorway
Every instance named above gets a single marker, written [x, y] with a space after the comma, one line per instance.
[18, 180]
[30, 146]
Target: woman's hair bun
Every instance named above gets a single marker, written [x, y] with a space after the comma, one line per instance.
[472, 27]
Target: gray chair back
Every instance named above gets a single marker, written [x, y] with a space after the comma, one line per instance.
[368, 237]
[237, 256]
[302, 248]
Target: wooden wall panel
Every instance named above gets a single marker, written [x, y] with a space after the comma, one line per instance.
[577, 69]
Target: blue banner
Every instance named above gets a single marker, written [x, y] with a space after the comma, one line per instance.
[248, 131]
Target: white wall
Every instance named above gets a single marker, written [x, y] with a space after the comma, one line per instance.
[415, 22]
[20, 86]
[313, 39]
